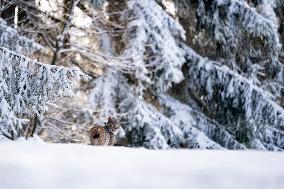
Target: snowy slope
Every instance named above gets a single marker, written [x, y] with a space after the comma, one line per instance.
[40, 165]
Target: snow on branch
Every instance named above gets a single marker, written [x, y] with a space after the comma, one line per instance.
[257, 24]
[272, 138]
[26, 86]
[152, 40]
[228, 16]
[198, 130]
[266, 8]
[219, 83]
[122, 64]
[10, 38]
[103, 95]
[149, 127]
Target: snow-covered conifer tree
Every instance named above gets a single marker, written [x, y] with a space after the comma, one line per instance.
[220, 87]
[152, 41]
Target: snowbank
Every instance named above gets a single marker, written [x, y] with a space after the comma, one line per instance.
[40, 165]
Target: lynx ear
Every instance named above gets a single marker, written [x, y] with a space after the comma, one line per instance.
[109, 119]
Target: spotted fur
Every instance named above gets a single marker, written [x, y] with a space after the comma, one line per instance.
[104, 136]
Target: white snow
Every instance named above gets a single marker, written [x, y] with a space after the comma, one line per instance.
[40, 165]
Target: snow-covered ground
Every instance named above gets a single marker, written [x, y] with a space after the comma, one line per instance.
[28, 165]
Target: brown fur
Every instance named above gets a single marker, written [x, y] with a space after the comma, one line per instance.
[102, 136]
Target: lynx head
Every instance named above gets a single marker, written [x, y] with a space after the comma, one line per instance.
[113, 124]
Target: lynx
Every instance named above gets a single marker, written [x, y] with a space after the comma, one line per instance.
[104, 135]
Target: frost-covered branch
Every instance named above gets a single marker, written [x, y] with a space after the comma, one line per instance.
[10, 38]
[229, 19]
[153, 39]
[122, 64]
[199, 130]
[225, 90]
[148, 127]
[26, 86]
[104, 96]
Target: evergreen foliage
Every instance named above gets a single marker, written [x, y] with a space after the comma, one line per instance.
[176, 97]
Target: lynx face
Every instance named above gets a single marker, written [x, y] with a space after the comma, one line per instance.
[113, 125]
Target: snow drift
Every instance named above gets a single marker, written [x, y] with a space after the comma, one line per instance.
[40, 165]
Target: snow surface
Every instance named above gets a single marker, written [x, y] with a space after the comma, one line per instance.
[40, 165]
